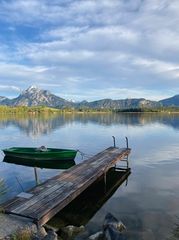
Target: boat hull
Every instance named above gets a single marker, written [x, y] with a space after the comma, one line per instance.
[35, 153]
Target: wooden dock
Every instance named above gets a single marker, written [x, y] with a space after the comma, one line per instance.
[48, 198]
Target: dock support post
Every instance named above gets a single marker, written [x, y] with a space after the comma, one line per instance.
[114, 141]
[127, 160]
[126, 181]
[36, 176]
[127, 143]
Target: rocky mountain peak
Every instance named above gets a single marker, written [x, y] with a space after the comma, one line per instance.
[31, 90]
[34, 96]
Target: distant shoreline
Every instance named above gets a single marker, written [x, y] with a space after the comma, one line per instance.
[49, 110]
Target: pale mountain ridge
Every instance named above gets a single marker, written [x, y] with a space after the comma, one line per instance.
[34, 96]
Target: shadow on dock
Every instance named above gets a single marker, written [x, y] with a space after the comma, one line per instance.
[85, 206]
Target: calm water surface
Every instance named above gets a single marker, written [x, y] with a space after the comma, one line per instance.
[147, 205]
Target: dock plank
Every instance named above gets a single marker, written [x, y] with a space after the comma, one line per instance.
[57, 192]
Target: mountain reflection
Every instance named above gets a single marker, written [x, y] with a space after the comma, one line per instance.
[44, 124]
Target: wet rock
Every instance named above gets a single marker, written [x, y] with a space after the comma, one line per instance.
[112, 228]
[51, 235]
[111, 233]
[110, 220]
[40, 234]
[49, 227]
[71, 231]
[96, 236]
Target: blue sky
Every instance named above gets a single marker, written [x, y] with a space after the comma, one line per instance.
[90, 49]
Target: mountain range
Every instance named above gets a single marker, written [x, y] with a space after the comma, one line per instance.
[34, 96]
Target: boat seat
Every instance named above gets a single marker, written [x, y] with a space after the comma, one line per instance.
[42, 149]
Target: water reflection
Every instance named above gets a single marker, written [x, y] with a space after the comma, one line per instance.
[148, 206]
[62, 164]
[175, 231]
[84, 207]
[43, 125]
[27, 174]
[3, 187]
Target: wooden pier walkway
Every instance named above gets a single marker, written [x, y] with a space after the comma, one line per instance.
[50, 197]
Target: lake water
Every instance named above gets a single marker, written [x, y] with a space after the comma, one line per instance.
[147, 204]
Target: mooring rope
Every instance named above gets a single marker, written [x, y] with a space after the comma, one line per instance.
[84, 155]
[2, 153]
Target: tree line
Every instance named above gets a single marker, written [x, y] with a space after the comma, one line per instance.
[49, 110]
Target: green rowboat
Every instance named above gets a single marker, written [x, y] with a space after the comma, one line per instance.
[41, 153]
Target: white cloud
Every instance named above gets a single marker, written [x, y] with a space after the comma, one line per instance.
[64, 33]
[113, 93]
[18, 76]
[81, 45]
[7, 87]
[166, 68]
[8, 69]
